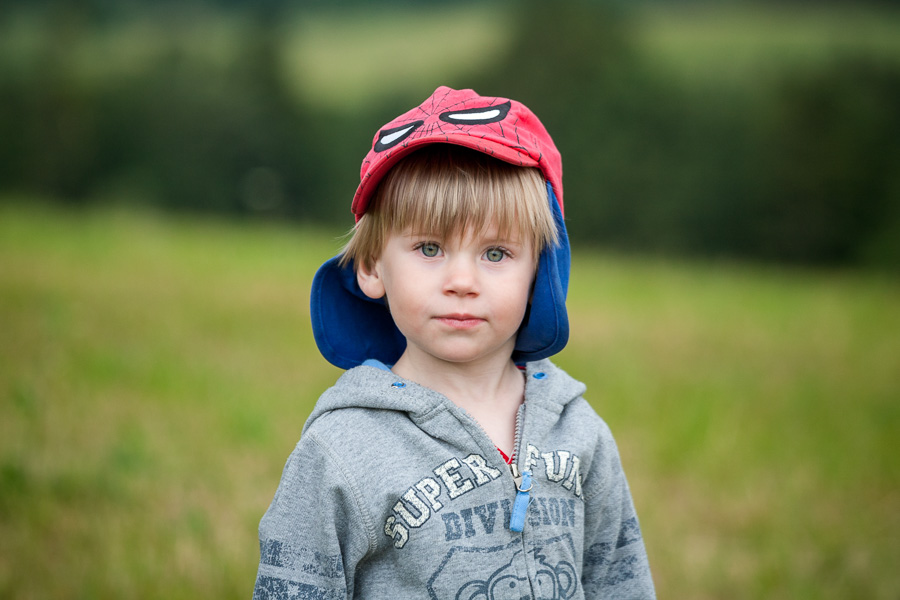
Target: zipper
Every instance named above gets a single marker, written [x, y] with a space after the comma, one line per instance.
[517, 441]
[522, 480]
[520, 506]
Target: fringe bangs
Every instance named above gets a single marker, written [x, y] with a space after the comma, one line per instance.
[446, 191]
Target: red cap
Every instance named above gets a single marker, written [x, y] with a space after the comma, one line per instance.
[498, 127]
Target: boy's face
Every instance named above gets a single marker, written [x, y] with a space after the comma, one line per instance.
[455, 300]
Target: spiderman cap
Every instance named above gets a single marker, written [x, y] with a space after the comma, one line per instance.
[348, 326]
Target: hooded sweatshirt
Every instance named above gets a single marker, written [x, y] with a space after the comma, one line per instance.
[395, 492]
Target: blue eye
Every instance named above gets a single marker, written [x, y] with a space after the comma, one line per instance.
[494, 255]
[430, 250]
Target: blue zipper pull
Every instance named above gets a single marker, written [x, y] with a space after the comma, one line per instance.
[523, 499]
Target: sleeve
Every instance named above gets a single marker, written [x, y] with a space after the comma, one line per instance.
[615, 561]
[315, 532]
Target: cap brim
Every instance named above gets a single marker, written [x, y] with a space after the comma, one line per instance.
[348, 326]
[546, 330]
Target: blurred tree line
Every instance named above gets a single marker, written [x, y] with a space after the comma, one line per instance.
[805, 169]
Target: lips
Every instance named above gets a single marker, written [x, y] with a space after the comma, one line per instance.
[459, 320]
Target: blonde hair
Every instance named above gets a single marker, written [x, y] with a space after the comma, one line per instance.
[444, 190]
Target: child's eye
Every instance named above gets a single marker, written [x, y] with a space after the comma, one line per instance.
[495, 254]
[430, 249]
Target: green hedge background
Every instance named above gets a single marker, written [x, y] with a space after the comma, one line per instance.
[758, 131]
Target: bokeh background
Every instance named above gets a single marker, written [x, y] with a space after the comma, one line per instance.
[172, 173]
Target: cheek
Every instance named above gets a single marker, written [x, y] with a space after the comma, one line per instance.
[523, 286]
[513, 300]
[402, 296]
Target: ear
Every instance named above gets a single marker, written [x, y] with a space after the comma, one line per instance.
[369, 280]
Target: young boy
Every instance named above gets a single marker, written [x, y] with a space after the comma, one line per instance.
[452, 459]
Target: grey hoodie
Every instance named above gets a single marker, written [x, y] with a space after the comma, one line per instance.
[395, 492]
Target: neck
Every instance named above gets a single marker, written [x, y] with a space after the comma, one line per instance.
[490, 391]
[467, 385]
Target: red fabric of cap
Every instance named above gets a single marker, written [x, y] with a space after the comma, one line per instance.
[502, 128]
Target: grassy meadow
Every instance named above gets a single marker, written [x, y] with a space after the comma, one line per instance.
[155, 372]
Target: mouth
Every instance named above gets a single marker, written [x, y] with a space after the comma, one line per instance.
[459, 320]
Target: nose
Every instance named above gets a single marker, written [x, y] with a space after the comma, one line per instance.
[461, 277]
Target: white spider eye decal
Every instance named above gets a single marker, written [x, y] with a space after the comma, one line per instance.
[477, 116]
[388, 138]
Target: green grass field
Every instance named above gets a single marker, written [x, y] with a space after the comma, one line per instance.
[155, 373]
